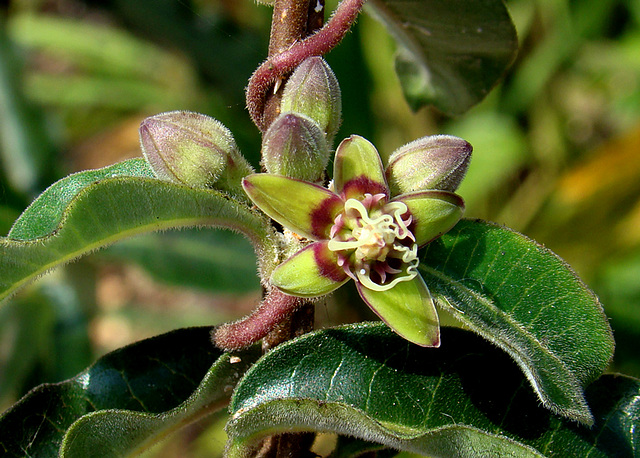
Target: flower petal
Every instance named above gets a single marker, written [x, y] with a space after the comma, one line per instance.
[408, 309]
[305, 208]
[358, 169]
[312, 271]
[434, 213]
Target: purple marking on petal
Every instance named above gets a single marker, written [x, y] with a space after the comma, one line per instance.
[326, 262]
[359, 186]
[247, 185]
[324, 215]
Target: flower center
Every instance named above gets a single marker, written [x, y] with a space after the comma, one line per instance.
[374, 240]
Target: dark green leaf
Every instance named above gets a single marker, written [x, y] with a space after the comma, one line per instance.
[26, 329]
[89, 210]
[466, 398]
[451, 52]
[127, 398]
[44, 333]
[350, 447]
[526, 300]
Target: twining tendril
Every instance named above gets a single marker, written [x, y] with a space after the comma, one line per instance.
[276, 67]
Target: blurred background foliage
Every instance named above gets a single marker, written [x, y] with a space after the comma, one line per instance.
[556, 156]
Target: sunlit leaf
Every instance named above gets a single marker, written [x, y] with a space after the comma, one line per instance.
[464, 399]
[45, 213]
[526, 300]
[126, 400]
[83, 212]
[451, 53]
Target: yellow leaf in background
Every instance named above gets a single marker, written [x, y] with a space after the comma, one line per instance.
[614, 166]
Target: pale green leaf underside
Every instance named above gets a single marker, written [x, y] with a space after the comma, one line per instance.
[105, 211]
[452, 52]
[304, 415]
[527, 301]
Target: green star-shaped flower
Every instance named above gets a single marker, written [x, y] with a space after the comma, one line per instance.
[359, 232]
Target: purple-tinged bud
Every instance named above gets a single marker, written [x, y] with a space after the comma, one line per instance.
[193, 149]
[435, 162]
[295, 146]
[313, 90]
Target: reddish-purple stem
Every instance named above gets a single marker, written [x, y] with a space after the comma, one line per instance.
[318, 44]
[274, 308]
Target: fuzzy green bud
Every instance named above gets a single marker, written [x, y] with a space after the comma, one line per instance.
[295, 146]
[435, 162]
[313, 90]
[193, 149]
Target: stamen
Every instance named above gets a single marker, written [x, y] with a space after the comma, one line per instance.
[372, 240]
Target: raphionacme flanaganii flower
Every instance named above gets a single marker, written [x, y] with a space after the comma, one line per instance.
[359, 231]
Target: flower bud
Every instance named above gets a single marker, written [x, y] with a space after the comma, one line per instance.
[313, 90]
[435, 162]
[192, 149]
[295, 146]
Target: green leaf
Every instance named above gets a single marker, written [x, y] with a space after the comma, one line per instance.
[203, 259]
[465, 399]
[44, 333]
[83, 212]
[452, 52]
[25, 148]
[529, 302]
[45, 213]
[96, 48]
[126, 399]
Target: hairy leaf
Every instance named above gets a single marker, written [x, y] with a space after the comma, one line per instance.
[126, 399]
[88, 210]
[466, 398]
[526, 300]
[451, 52]
[45, 213]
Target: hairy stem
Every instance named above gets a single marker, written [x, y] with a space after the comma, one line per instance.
[275, 308]
[288, 25]
[276, 67]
